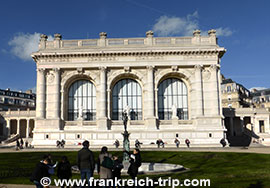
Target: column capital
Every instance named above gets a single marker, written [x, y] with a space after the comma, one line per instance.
[214, 67]
[198, 67]
[56, 70]
[103, 68]
[41, 70]
[150, 67]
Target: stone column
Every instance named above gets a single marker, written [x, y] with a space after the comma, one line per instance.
[102, 120]
[56, 114]
[41, 94]
[150, 100]
[150, 92]
[214, 90]
[231, 126]
[62, 102]
[102, 91]
[109, 104]
[198, 89]
[18, 126]
[8, 127]
[27, 127]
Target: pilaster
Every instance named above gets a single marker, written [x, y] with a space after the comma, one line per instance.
[103, 120]
[41, 93]
[198, 88]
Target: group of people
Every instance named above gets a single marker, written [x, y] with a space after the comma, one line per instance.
[60, 144]
[137, 143]
[108, 166]
[20, 144]
[161, 143]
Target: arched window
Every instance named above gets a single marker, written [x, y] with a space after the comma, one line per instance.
[127, 92]
[82, 99]
[171, 92]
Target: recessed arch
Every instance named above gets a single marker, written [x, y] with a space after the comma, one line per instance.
[81, 96]
[127, 92]
[172, 93]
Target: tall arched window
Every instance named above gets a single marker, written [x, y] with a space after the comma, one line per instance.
[82, 99]
[171, 92]
[127, 92]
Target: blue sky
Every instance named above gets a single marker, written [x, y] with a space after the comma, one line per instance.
[243, 28]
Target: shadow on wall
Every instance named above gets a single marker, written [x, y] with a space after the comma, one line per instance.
[238, 136]
[243, 140]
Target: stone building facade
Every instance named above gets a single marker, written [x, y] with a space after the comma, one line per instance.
[170, 87]
[234, 95]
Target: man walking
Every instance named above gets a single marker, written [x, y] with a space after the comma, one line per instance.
[86, 162]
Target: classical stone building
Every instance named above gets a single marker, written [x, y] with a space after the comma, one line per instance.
[16, 113]
[234, 95]
[170, 87]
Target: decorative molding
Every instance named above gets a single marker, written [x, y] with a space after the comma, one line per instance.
[50, 77]
[206, 74]
[127, 69]
[214, 67]
[80, 70]
[174, 68]
[111, 56]
[198, 67]
[41, 70]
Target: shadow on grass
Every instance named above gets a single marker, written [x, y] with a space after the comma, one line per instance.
[258, 184]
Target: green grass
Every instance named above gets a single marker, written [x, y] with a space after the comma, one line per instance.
[223, 169]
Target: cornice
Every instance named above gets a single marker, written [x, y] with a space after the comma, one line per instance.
[40, 55]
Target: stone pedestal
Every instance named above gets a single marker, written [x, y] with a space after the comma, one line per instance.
[151, 123]
[103, 124]
[126, 145]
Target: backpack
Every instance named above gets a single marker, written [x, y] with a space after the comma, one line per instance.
[107, 162]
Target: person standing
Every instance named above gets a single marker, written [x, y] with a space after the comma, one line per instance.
[135, 162]
[21, 146]
[86, 162]
[17, 144]
[41, 171]
[64, 170]
[105, 164]
[177, 142]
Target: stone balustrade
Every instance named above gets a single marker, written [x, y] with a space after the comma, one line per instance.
[103, 41]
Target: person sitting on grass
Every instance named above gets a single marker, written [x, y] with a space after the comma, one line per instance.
[64, 170]
[41, 171]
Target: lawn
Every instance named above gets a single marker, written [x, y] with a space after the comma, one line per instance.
[233, 170]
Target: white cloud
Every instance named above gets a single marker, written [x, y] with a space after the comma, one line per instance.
[166, 26]
[224, 31]
[23, 44]
[170, 26]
